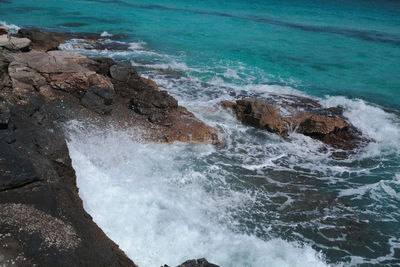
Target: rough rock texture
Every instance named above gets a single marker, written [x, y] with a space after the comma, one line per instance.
[42, 220]
[46, 41]
[285, 114]
[195, 263]
[14, 43]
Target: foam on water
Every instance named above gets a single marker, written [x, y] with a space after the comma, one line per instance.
[154, 201]
[375, 123]
[194, 201]
[12, 28]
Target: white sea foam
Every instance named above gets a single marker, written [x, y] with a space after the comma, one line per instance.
[375, 123]
[105, 34]
[12, 27]
[152, 201]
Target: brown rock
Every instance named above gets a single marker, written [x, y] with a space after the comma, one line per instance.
[150, 83]
[61, 71]
[328, 128]
[228, 104]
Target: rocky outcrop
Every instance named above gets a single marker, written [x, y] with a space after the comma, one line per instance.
[13, 43]
[195, 263]
[42, 220]
[47, 41]
[285, 114]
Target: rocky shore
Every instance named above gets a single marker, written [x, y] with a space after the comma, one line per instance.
[42, 220]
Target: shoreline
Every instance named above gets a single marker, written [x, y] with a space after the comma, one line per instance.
[157, 119]
[42, 217]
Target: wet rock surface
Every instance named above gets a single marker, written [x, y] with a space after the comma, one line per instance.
[195, 263]
[42, 220]
[285, 114]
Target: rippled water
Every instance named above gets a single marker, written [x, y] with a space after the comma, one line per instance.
[259, 200]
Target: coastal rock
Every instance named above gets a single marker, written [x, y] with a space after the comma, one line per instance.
[47, 41]
[301, 115]
[4, 116]
[14, 43]
[42, 219]
[197, 263]
[42, 41]
[61, 71]
[3, 30]
[4, 78]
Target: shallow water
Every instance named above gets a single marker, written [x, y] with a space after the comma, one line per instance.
[260, 200]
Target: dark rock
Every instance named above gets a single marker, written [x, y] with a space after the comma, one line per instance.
[43, 41]
[122, 73]
[101, 65]
[197, 263]
[16, 170]
[46, 41]
[94, 102]
[4, 116]
[3, 30]
[42, 220]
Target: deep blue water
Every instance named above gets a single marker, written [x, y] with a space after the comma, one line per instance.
[339, 52]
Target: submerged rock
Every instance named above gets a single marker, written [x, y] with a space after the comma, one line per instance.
[302, 115]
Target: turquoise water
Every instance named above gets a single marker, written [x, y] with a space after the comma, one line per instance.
[321, 47]
[259, 189]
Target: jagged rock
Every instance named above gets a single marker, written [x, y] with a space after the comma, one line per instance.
[62, 71]
[47, 41]
[49, 226]
[42, 220]
[325, 125]
[197, 263]
[14, 43]
[150, 83]
[42, 41]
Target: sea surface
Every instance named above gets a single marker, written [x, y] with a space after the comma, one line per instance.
[259, 200]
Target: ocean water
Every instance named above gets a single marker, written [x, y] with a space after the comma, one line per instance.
[259, 200]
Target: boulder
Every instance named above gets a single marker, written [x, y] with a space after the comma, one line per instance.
[14, 43]
[197, 263]
[42, 41]
[302, 116]
[47, 41]
[63, 71]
